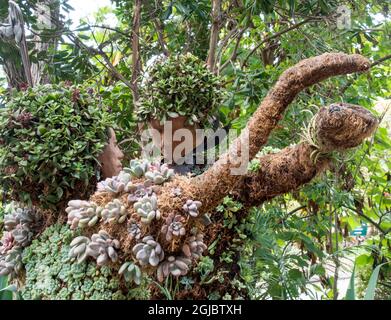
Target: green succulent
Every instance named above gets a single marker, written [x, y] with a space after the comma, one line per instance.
[51, 275]
[180, 86]
[137, 168]
[51, 136]
[131, 272]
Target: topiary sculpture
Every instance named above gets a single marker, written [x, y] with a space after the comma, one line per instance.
[279, 173]
[50, 138]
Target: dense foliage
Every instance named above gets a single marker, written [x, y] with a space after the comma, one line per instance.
[51, 136]
[180, 86]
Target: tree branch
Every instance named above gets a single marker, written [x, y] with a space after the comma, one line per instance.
[136, 67]
[214, 34]
[220, 177]
[159, 30]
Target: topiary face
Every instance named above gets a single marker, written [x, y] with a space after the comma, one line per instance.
[180, 86]
[51, 136]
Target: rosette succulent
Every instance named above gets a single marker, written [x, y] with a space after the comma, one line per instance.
[191, 207]
[11, 262]
[78, 249]
[7, 242]
[159, 173]
[82, 213]
[114, 211]
[139, 192]
[174, 226]
[103, 248]
[22, 223]
[131, 272]
[134, 230]
[137, 168]
[146, 208]
[148, 252]
[176, 266]
[194, 247]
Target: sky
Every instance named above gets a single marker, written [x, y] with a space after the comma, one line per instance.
[84, 8]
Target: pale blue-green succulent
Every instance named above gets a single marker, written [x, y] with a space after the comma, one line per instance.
[82, 213]
[131, 272]
[176, 266]
[137, 168]
[159, 173]
[116, 184]
[146, 208]
[148, 252]
[114, 211]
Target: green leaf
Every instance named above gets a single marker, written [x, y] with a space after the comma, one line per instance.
[350, 293]
[370, 294]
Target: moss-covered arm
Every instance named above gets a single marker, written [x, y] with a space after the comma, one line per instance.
[304, 74]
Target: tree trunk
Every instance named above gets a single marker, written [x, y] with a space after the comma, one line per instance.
[136, 64]
[48, 19]
[214, 34]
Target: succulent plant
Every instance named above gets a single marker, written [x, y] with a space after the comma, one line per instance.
[176, 192]
[191, 207]
[116, 184]
[78, 249]
[103, 248]
[159, 173]
[137, 168]
[19, 215]
[139, 192]
[148, 252]
[7, 242]
[82, 213]
[194, 247]
[131, 272]
[134, 230]
[22, 235]
[11, 262]
[146, 208]
[174, 226]
[73, 142]
[22, 223]
[114, 211]
[51, 275]
[177, 266]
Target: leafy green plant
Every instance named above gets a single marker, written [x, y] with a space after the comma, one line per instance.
[51, 136]
[180, 86]
[371, 287]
